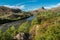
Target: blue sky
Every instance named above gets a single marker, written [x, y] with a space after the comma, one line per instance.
[30, 4]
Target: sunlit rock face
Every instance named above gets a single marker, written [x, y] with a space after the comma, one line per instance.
[22, 36]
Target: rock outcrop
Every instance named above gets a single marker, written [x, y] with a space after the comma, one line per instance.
[22, 36]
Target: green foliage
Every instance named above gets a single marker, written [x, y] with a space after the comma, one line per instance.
[11, 31]
[52, 32]
[8, 34]
[24, 27]
[35, 21]
[1, 34]
[49, 27]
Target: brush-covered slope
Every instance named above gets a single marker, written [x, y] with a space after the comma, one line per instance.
[46, 26]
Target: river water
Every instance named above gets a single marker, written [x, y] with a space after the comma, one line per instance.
[15, 24]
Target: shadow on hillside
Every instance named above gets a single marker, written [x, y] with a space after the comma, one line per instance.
[3, 21]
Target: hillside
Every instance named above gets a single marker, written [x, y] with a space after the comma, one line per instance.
[38, 10]
[44, 26]
[12, 14]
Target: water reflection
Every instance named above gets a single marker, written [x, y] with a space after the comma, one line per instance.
[30, 18]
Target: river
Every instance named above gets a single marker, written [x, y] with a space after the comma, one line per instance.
[15, 24]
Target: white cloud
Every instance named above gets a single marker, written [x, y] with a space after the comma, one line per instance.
[20, 7]
[26, 2]
[52, 6]
[23, 6]
[47, 7]
[58, 4]
[35, 8]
